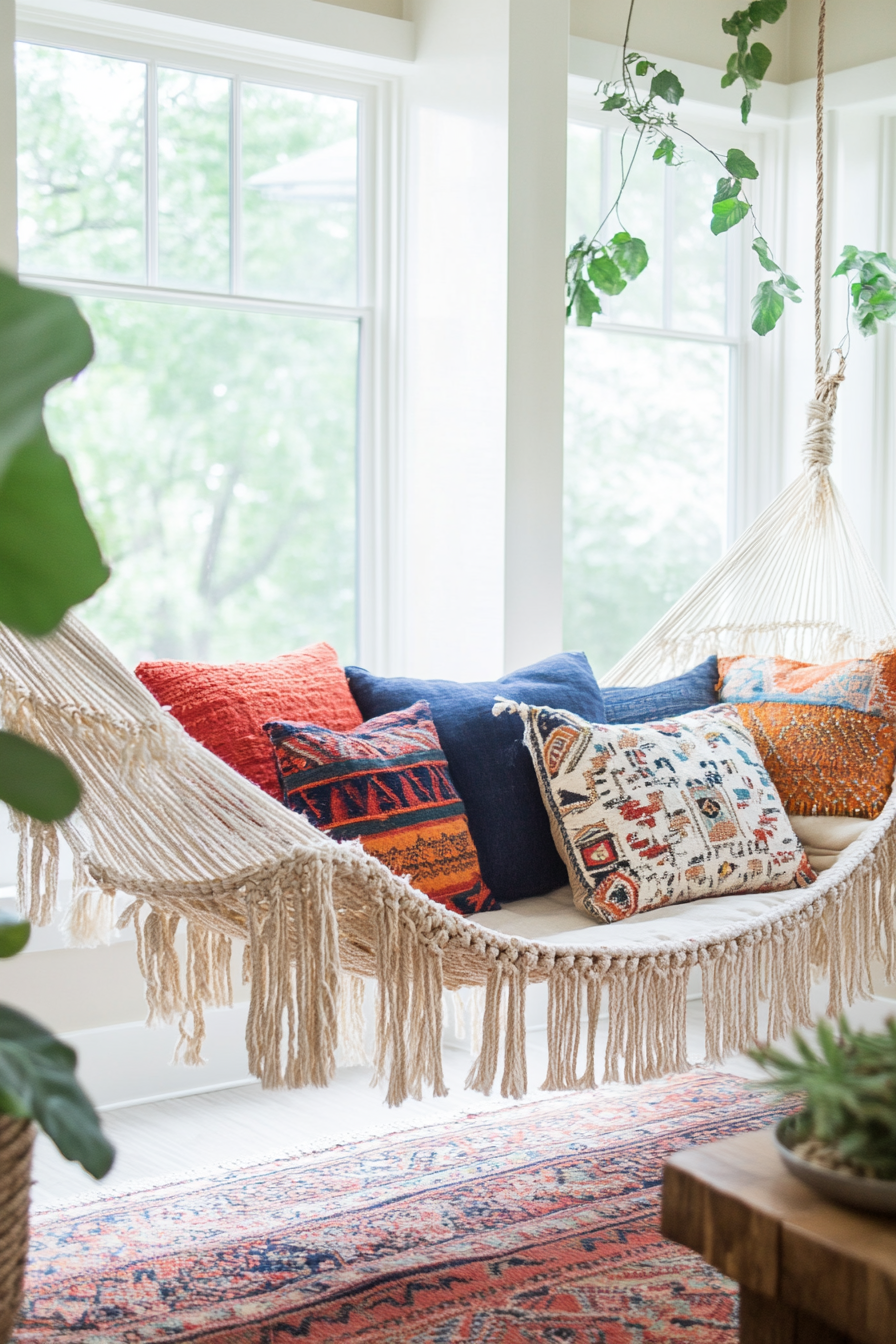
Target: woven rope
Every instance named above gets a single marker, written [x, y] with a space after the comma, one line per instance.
[819, 185]
[16, 1144]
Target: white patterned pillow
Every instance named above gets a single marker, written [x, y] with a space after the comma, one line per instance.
[657, 813]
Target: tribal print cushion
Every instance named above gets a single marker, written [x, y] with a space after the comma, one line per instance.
[658, 813]
[387, 785]
[827, 734]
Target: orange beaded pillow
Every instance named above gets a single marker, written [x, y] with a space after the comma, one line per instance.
[827, 734]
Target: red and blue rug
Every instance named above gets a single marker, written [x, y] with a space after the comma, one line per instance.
[536, 1223]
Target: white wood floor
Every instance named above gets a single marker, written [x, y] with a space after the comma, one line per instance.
[160, 1141]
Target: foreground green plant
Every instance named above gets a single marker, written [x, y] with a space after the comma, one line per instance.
[848, 1089]
[594, 266]
[49, 560]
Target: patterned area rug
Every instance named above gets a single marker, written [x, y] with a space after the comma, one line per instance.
[536, 1223]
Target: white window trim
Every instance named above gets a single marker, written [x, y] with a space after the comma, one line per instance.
[221, 52]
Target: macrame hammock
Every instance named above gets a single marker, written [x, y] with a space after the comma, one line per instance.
[166, 824]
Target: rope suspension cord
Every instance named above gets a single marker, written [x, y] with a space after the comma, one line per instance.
[819, 186]
[818, 446]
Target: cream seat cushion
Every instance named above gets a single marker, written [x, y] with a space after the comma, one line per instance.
[555, 919]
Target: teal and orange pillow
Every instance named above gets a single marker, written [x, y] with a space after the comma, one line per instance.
[387, 785]
[827, 733]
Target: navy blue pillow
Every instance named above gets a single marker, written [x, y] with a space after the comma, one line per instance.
[679, 695]
[488, 762]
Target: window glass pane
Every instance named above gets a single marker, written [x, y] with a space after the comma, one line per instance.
[215, 452]
[699, 258]
[583, 196]
[299, 181]
[81, 152]
[194, 180]
[641, 213]
[644, 482]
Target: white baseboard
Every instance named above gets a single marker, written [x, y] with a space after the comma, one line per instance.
[131, 1063]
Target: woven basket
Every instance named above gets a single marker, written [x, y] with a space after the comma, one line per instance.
[16, 1144]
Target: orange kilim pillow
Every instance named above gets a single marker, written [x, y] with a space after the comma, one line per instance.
[827, 735]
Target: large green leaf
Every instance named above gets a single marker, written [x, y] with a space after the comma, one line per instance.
[14, 934]
[727, 213]
[605, 275]
[667, 86]
[758, 61]
[43, 339]
[630, 254]
[34, 781]
[586, 304]
[49, 558]
[768, 305]
[37, 1082]
[740, 164]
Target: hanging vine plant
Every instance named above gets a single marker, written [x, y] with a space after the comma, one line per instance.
[602, 266]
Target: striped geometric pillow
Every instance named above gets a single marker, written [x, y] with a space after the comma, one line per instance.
[387, 785]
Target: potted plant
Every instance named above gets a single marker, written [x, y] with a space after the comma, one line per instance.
[49, 560]
[842, 1141]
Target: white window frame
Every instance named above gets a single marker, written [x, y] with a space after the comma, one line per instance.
[222, 52]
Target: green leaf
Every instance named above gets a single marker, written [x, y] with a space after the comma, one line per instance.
[37, 1082]
[34, 781]
[726, 189]
[49, 558]
[604, 274]
[665, 150]
[758, 61]
[43, 339]
[766, 260]
[14, 934]
[739, 165]
[643, 66]
[768, 306]
[586, 304]
[614, 101]
[630, 254]
[745, 104]
[847, 263]
[727, 213]
[667, 86]
[768, 11]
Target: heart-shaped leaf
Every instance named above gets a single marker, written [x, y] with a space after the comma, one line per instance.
[727, 213]
[630, 254]
[605, 275]
[739, 164]
[667, 86]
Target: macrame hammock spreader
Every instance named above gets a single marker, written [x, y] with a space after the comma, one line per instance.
[166, 824]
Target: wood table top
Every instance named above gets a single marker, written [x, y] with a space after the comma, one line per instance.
[736, 1204]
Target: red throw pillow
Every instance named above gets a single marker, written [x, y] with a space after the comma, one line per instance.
[224, 705]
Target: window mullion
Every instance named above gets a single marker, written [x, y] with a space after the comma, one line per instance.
[236, 192]
[152, 173]
[668, 247]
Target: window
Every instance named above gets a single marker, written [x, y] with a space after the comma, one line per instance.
[647, 402]
[210, 226]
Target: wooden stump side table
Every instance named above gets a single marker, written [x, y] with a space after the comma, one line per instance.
[810, 1271]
